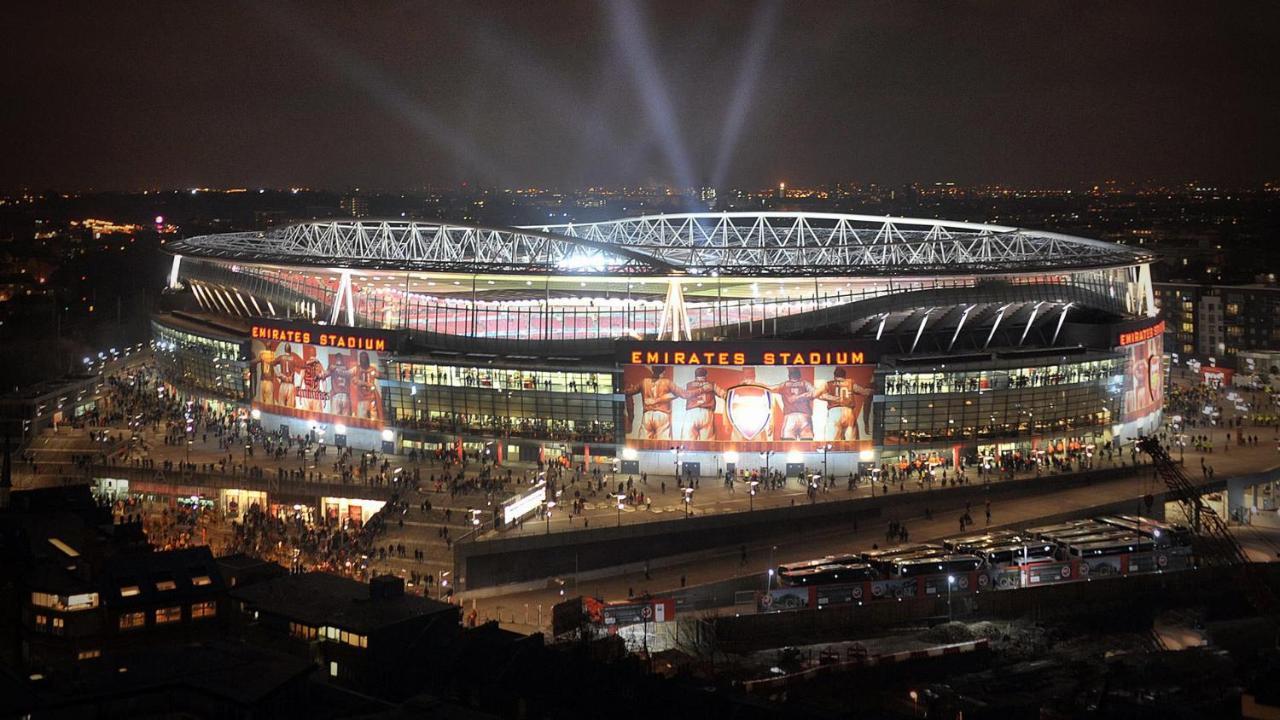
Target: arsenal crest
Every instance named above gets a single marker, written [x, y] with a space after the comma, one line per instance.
[750, 407]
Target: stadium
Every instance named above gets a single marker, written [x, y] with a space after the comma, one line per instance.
[690, 343]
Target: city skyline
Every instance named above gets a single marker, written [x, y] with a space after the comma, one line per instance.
[578, 95]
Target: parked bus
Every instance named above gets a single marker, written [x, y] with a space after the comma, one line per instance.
[818, 562]
[969, 542]
[1164, 534]
[828, 575]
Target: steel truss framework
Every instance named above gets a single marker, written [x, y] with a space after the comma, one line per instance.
[411, 245]
[805, 243]
[731, 244]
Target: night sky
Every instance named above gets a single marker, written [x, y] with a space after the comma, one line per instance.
[401, 94]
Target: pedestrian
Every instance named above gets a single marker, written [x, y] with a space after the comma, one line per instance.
[681, 580]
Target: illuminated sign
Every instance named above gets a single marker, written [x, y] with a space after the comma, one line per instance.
[788, 353]
[346, 341]
[1136, 336]
[750, 396]
[524, 504]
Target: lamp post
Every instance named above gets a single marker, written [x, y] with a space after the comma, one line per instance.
[620, 499]
[768, 583]
[751, 493]
[675, 453]
[550, 504]
[688, 498]
[951, 580]
[825, 449]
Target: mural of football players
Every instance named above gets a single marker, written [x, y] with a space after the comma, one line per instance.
[797, 406]
[312, 396]
[340, 385]
[700, 406]
[288, 365]
[845, 400]
[367, 397]
[656, 395]
[266, 364]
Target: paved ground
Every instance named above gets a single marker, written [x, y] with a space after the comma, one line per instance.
[54, 462]
[509, 609]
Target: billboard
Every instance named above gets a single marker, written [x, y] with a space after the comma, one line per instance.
[1144, 379]
[721, 400]
[331, 379]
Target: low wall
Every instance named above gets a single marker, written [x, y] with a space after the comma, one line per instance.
[744, 633]
[492, 561]
[271, 484]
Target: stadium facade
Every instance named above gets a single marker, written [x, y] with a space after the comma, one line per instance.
[696, 342]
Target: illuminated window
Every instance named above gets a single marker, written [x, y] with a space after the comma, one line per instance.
[304, 632]
[130, 591]
[85, 601]
[333, 669]
[168, 615]
[47, 600]
[200, 580]
[128, 621]
[203, 609]
[165, 585]
[42, 622]
[58, 625]
[88, 654]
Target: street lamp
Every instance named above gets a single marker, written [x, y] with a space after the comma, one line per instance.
[620, 499]
[550, 504]
[752, 493]
[675, 452]
[951, 580]
[825, 449]
[688, 497]
[768, 583]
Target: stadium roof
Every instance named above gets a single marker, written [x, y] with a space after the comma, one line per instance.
[783, 244]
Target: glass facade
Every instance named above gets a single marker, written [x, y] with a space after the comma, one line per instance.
[586, 382]
[199, 363]
[985, 405]
[462, 409]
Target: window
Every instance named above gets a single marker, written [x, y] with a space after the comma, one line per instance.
[201, 580]
[58, 625]
[333, 669]
[203, 609]
[88, 654]
[304, 632]
[42, 622]
[130, 591]
[165, 585]
[128, 621]
[168, 615]
[85, 601]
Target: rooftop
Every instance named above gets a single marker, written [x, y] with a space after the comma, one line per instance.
[319, 599]
[696, 244]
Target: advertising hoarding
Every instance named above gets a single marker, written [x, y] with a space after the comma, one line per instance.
[1144, 382]
[760, 397]
[326, 377]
